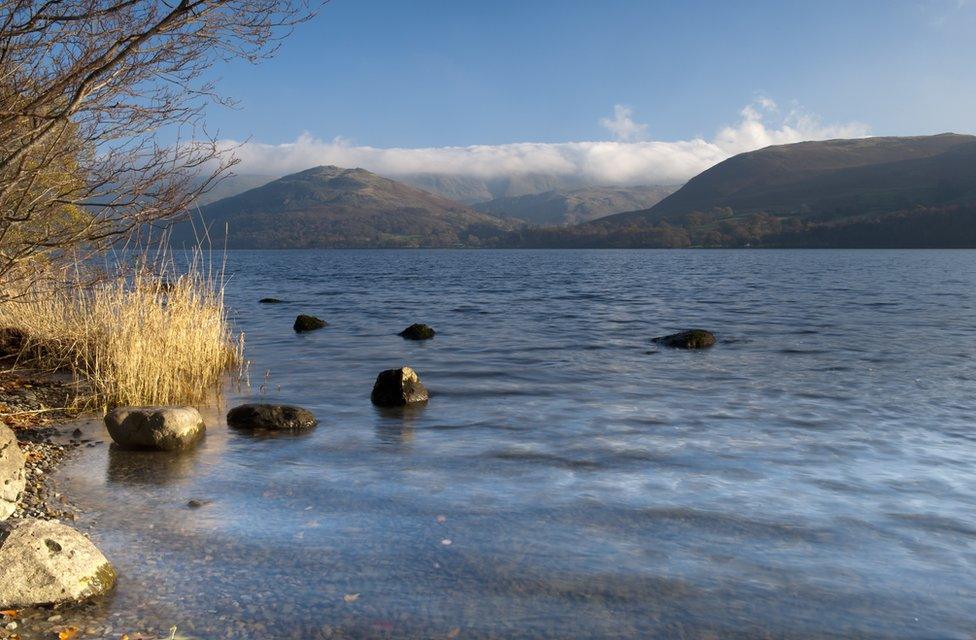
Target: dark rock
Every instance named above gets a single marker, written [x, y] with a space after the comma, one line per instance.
[398, 387]
[273, 417]
[196, 503]
[77, 433]
[690, 339]
[418, 332]
[270, 301]
[308, 323]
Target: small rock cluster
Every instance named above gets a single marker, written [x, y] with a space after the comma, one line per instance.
[28, 407]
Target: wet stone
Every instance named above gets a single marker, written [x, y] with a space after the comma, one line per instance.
[690, 339]
[304, 323]
[418, 332]
[271, 417]
[398, 387]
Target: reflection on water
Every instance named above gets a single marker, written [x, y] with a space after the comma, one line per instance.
[811, 476]
[127, 466]
[395, 425]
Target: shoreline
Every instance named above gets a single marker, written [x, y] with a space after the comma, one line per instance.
[35, 406]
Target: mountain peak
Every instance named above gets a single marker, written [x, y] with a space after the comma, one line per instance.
[330, 206]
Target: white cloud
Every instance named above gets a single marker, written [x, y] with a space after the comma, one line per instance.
[622, 125]
[597, 162]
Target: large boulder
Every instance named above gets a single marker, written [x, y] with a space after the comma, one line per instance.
[398, 387]
[12, 476]
[305, 323]
[690, 339]
[162, 428]
[418, 332]
[270, 417]
[46, 562]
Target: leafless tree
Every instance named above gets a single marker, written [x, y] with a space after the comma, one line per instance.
[89, 88]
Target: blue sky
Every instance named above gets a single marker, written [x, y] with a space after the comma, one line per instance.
[432, 73]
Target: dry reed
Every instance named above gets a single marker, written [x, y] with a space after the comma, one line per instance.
[144, 333]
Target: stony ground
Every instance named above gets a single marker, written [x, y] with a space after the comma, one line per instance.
[33, 407]
[36, 408]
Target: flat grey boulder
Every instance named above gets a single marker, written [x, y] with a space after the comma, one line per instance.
[46, 562]
[162, 428]
[12, 475]
[398, 387]
[690, 339]
[271, 417]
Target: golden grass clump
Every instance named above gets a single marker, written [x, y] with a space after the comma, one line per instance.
[142, 335]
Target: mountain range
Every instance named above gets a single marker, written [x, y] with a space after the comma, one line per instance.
[471, 190]
[572, 206]
[868, 192]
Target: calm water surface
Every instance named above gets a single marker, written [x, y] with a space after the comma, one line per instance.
[813, 475]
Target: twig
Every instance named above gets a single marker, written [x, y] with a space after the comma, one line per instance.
[23, 413]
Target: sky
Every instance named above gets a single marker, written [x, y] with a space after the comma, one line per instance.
[617, 91]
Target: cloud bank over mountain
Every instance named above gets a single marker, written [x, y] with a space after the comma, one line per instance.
[629, 159]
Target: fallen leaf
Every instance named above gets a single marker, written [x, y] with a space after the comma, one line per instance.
[351, 597]
[67, 633]
[9, 613]
[453, 633]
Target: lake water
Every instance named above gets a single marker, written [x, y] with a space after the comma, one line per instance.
[811, 476]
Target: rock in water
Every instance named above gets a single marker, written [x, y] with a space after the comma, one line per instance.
[273, 417]
[418, 332]
[690, 339]
[397, 387]
[12, 476]
[308, 323]
[270, 301]
[46, 562]
[163, 428]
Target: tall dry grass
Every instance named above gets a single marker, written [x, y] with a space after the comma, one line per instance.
[142, 333]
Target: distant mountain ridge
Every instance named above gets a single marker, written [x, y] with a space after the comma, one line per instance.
[470, 190]
[563, 207]
[870, 192]
[884, 191]
[814, 175]
[232, 185]
[334, 207]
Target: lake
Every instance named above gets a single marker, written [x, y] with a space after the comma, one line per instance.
[811, 476]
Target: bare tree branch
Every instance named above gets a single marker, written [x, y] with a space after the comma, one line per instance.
[87, 87]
